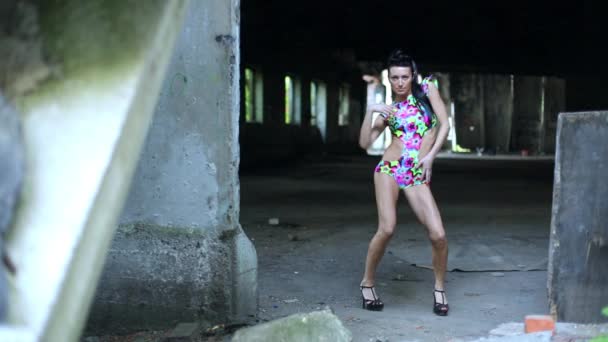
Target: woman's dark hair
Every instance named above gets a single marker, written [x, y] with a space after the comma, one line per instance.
[398, 58]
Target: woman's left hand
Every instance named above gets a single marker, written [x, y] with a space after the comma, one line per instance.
[426, 164]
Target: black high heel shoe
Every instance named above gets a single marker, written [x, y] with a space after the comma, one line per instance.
[440, 309]
[371, 304]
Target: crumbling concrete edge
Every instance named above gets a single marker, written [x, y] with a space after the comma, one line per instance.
[245, 278]
[553, 241]
[245, 260]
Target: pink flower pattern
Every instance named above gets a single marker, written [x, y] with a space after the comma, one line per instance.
[412, 125]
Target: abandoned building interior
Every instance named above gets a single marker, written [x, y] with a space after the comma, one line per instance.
[198, 162]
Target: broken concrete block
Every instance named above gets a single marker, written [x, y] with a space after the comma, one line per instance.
[544, 336]
[577, 274]
[578, 332]
[508, 329]
[313, 326]
[569, 332]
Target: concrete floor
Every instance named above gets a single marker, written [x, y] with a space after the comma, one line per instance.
[327, 214]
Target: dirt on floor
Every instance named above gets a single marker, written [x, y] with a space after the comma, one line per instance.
[314, 256]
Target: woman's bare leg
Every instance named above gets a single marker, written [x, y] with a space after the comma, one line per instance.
[387, 193]
[423, 204]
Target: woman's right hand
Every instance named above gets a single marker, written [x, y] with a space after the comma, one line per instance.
[383, 109]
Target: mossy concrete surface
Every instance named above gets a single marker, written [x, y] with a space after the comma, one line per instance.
[304, 327]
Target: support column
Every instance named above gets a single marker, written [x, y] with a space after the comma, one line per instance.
[356, 112]
[305, 103]
[83, 129]
[578, 249]
[376, 93]
[527, 110]
[333, 108]
[467, 92]
[446, 96]
[180, 253]
[322, 109]
[274, 98]
[555, 102]
[498, 111]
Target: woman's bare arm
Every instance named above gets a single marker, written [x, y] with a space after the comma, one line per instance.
[369, 133]
[442, 117]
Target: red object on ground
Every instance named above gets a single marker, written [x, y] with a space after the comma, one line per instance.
[536, 323]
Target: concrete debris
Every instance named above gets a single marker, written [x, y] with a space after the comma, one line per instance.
[399, 277]
[544, 336]
[184, 332]
[508, 329]
[571, 332]
[378, 339]
[313, 326]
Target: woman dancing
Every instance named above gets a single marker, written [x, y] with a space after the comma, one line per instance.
[418, 122]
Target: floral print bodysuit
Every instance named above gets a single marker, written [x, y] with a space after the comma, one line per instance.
[409, 124]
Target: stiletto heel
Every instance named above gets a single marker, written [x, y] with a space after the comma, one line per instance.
[371, 304]
[440, 309]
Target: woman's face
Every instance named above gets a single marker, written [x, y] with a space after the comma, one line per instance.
[401, 80]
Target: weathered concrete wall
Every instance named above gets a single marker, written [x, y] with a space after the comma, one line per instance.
[578, 281]
[498, 111]
[180, 253]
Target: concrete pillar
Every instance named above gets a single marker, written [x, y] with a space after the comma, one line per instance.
[578, 250]
[180, 253]
[376, 93]
[446, 96]
[527, 113]
[554, 103]
[333, 109]
[274, 98]
[305, 102]
[322, 109]
[467, 92]
[498, 111]
[355, 118]
[83, 129]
